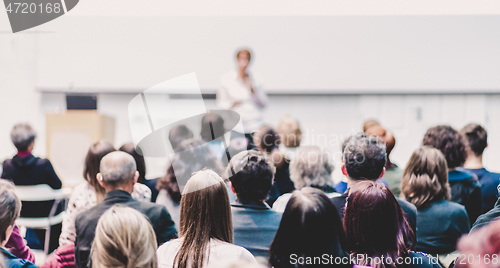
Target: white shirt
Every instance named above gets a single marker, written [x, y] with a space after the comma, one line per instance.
[217, 252]
[251, 107]
[280, 204]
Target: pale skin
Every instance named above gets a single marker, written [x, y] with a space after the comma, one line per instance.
[127, 187]
[8, 232]
[243, 61]
[473, 161]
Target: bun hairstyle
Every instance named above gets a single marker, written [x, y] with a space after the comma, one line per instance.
[124, 238]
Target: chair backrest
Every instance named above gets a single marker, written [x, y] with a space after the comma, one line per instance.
[41, 192]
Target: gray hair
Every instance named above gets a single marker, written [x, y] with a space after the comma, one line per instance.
[117, 168]
[311, 167]
[364, 157]
[10, 207]
[22, 135]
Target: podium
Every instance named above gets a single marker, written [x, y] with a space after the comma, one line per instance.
[69, 137]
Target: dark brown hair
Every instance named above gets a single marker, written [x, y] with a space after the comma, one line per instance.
[267, 138]
[139, 160]
[425, 178]
[310, 227]
[205, 215]
[476, 137]
[10, 207]
[212, 127]
[92, 165]
[375, 224]
[449, 142]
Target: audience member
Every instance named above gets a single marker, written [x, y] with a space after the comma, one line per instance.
[195, 157]
[212, 128]
[255, 224]
[206, 230]
[240, 92]
[465, 188]
[15, 243]
[310, 168]
[177, 134]
[377, 230]
[124, 239]
[476, 140]
[369, 123]
[62, 257]
[480, 249]
[291, 135]
[309, 229]
[89, 193]
[267, 140]
[26, 169]
[487, 217]
[10, 210]
[440, 222]
[117, 176]
[364, 159]
[393, 173]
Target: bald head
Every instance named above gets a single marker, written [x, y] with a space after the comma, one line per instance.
[117, 168]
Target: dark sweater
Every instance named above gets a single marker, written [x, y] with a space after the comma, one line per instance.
[487, 217]
[489, 182]
[466, 190]
[440, 226]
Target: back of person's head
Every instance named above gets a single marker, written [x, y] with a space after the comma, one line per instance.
[177, 134]
[139, 160]
[10, 208]
[195, 156]
[289, 129]
[311, 167]
[425, 178]
[375, 224]
[484, 244]
[22, 135]
[251, 174]
[449, 142]
[384, 134]
[117, 169]
[364, 157]
[266, 139]
[205, 215]
[310, 227]
[212, 127]
[124, 238]
[475, 137]
[93, 162]
[370, 123]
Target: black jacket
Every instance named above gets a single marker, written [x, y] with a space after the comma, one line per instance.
[466, 190]
[31, 170]
[487, 217]
[86, 222]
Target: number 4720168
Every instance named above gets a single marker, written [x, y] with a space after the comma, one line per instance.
[34, 8]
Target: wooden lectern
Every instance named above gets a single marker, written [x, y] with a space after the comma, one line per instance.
[69, 137]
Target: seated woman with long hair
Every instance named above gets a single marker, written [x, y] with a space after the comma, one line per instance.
[205, 229]
[124, 238]
[377, 230]
[440, 222]
[309, 229]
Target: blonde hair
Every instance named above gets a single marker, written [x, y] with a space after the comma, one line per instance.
[310, 167]
[124, 238]
[289, 129]
[205, 215]
[425, 178]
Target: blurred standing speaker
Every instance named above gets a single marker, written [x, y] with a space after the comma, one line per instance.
[69, 137]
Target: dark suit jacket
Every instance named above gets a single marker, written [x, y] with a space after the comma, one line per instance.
[409, 209]
[255, 226]
[86, 222]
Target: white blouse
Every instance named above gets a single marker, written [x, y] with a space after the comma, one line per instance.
[217, 252]
[82, 198]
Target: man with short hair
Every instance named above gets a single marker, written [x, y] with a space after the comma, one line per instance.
[364, 158]
[476, 140]
[254, 223]
[118, 176]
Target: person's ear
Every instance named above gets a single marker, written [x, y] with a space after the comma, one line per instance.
[382, 174]
[136, 176]
[100, 180]
[344, 170]
[232, 188]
